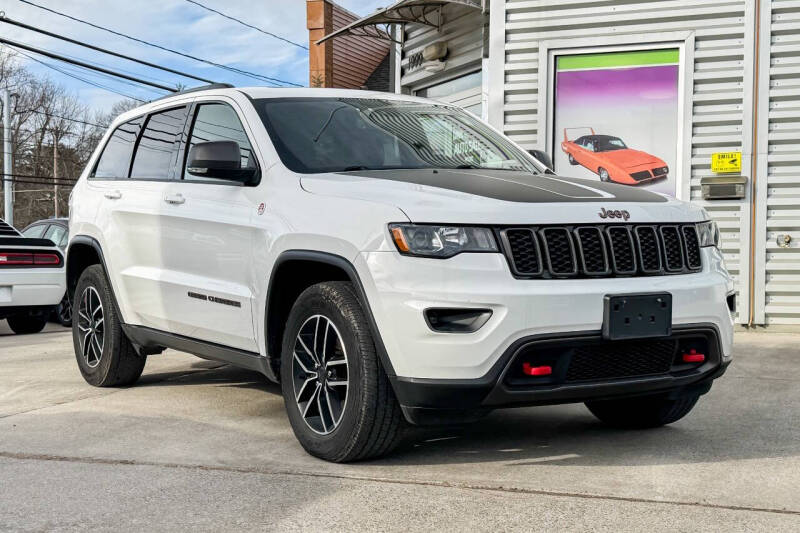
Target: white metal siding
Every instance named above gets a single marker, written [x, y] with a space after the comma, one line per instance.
[461, 29]
[782, 272]
[721, 85]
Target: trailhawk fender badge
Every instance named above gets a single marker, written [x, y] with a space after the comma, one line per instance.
[615, 213]
[261, 208]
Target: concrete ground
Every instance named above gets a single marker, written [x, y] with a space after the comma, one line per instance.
[206, 446]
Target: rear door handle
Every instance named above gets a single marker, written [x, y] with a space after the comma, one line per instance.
[174, 199]
[113, 195]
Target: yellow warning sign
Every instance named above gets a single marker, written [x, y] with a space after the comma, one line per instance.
[724, 162]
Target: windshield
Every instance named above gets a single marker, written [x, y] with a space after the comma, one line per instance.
[608, 144]
[315, 135]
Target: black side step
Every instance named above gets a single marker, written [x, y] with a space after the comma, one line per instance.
[152, 339]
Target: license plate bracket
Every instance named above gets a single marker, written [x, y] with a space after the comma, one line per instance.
[637, 316]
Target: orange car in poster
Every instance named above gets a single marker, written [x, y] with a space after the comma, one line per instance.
[610, 158]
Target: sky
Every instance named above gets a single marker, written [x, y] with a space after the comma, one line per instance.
[175, 24]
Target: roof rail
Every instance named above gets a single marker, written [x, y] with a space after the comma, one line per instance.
[195, 89]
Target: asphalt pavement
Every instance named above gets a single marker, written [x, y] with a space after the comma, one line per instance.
[204, 446]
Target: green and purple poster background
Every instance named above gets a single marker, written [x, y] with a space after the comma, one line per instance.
[630, 95]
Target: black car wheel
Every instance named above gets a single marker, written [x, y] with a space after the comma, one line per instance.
[603, 174]
[105, 356]
[339, 401]
[27, 324]
[63, 312]
[572, 160]
[642, 412]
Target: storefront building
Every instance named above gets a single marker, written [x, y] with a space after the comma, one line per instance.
[653, 90]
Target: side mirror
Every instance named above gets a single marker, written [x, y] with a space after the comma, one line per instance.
[543, 158]
[218, 159]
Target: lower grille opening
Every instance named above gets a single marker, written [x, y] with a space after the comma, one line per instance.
[597, 360]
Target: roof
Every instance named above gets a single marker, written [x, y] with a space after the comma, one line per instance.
[377, 25]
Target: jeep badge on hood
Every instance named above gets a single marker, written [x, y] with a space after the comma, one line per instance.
[611, 213]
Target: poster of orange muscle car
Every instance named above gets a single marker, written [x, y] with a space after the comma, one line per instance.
[612, 160]
[616, 117]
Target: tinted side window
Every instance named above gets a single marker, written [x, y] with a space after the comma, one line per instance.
[56, 233]
[158, 146]
[34, 232]
[115, 160]
[219, 122]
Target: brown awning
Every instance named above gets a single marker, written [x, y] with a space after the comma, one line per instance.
[426, 12]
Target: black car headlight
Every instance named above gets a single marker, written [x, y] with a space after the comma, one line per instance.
[441, 241]
[708, 233]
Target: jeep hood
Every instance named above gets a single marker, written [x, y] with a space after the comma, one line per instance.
[499, 197]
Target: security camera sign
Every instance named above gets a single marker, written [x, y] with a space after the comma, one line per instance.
[726, 162]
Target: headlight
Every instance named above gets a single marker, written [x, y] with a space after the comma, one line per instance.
[441, 241]
[708, 233]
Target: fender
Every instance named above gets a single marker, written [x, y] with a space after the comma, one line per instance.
[352, 274]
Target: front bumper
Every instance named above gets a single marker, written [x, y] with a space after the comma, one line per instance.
[33, 288]
[399, 289]
[434, 370]
[430, 401]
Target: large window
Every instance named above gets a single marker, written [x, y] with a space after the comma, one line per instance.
[115, 160]
[344, 134]
[158, 146]
[219, 122]
[464, 91]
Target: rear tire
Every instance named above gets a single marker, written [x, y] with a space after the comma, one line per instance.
[106, 358]
[642, 413]
[338, 398]
[572, 160]
[27, 324]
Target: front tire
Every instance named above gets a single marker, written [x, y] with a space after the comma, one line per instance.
[106, 358]
[603, 173]
[338, 398]
[63, 312]
[642, 413]
[27, 324]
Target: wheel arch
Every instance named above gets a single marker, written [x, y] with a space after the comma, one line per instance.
[293, 272]
[83, 252]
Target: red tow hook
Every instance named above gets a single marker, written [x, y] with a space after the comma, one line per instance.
[693, 357]
[536, 370]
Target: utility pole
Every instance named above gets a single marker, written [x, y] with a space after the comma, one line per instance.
[55, 174]
[8, 188]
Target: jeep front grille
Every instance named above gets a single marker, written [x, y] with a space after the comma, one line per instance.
[601, 251]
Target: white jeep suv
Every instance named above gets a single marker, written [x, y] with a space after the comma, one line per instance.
[390, 261]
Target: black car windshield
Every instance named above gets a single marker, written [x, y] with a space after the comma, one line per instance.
[608, 144]
[315, 135]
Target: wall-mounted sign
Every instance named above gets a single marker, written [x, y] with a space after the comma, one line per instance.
[723, 162]
[616, 117]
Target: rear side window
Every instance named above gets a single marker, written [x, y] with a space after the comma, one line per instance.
[34, 232]
[115, 160]
[56, 233]
[158, 145]
[219, 122]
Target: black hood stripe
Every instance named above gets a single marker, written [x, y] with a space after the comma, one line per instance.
[514, 186]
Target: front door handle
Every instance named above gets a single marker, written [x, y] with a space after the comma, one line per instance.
[113, 195]
[174, 199]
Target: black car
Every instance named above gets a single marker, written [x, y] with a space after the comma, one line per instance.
[56, 230]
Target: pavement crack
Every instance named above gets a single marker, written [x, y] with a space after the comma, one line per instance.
[394, 481]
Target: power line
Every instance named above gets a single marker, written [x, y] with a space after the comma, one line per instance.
[265, 32]
[103, 50]
[170, 50]
[86, 122]
[75, 76]
[53, 55]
